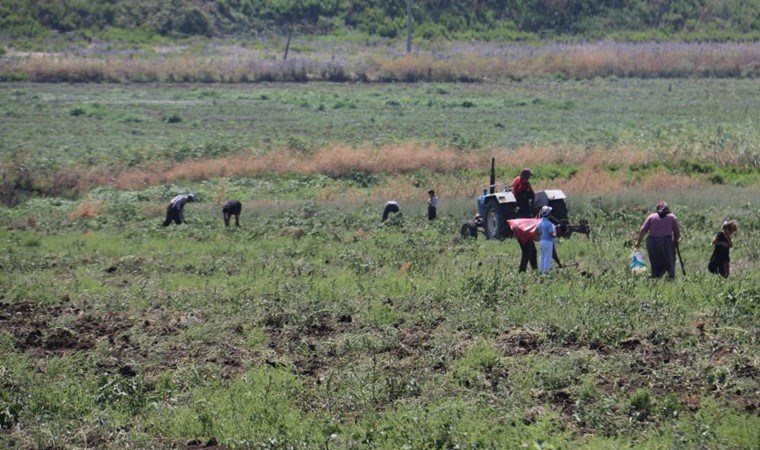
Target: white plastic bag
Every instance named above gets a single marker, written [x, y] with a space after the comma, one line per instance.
[638, 262]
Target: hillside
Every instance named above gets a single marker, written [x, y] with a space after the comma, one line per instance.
[714, 20]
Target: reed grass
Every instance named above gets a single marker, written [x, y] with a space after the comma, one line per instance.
[445, 63]
[402, 163]
[393, 171]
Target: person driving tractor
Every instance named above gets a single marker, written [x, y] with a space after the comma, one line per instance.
[523, 192]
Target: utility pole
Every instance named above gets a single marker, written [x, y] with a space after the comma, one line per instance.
[287, 46]
[409, 26]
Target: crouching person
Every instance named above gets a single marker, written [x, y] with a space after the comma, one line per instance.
[391, 207]
[232, 208]
[469, 228]
[175, 212]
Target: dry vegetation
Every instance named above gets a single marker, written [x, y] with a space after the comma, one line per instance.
[232, 64]
[592, 174]
[341, 161]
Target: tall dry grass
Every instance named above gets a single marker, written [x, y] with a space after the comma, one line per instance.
[593, 170]
[400, 160]
[448, 62]
[334, 161]
[86, 210]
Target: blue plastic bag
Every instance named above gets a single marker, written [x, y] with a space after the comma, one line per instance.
[638, 262]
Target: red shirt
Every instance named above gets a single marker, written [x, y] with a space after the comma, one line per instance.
[520, 185]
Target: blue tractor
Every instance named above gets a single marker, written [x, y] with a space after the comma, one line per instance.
[497, 206]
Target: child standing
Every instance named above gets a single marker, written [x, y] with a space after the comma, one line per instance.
[719, 261]
[432, 204]
[232, 208]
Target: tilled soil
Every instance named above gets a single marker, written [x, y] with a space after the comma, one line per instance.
[47, 330]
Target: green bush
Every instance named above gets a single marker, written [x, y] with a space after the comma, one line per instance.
[433, 20]
[195, 22]
[12, 76]
[641, 404]
[481, 358]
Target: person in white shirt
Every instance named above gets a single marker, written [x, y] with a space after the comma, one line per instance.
[390, 207]
[175, 212]
[432, 205]
[547, 236]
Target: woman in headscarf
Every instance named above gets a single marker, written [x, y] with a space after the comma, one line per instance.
[547, 235]
[664, 233]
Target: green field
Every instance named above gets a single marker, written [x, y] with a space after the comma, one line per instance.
[314, 326]
[117, 124]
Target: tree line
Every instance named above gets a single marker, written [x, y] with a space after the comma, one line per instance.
[718, 20]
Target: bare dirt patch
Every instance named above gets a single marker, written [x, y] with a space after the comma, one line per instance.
[54, 330]
[39, 328]
[663, 369]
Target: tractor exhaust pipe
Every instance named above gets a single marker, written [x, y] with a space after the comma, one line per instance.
[492, 181]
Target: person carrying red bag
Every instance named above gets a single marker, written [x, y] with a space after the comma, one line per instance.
[524, 231]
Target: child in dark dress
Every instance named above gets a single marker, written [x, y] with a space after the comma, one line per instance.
[719, 261]
[232, 208]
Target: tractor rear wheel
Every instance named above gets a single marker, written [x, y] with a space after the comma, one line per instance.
[495, 222]
[559, 209]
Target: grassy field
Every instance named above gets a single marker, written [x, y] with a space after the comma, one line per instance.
[314, 326]
[88, 124]
[61, 140]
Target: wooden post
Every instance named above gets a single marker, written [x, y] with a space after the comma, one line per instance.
[287, 46]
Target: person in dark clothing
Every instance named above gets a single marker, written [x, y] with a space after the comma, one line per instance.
[523, 192]
[232, 208]
[470, 227]
[529, 255]
[664, 234]
[175, 212]
[432, 205]
[390, 207]
[720, 260]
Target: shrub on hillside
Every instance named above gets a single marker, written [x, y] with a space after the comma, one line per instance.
[195, 22]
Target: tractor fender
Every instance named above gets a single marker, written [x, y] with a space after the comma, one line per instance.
[504, 197]
[544, 197]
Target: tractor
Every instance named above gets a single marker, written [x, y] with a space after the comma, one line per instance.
[496, 207]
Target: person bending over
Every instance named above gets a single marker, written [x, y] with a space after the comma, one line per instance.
[175, 212]
[390, 207]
